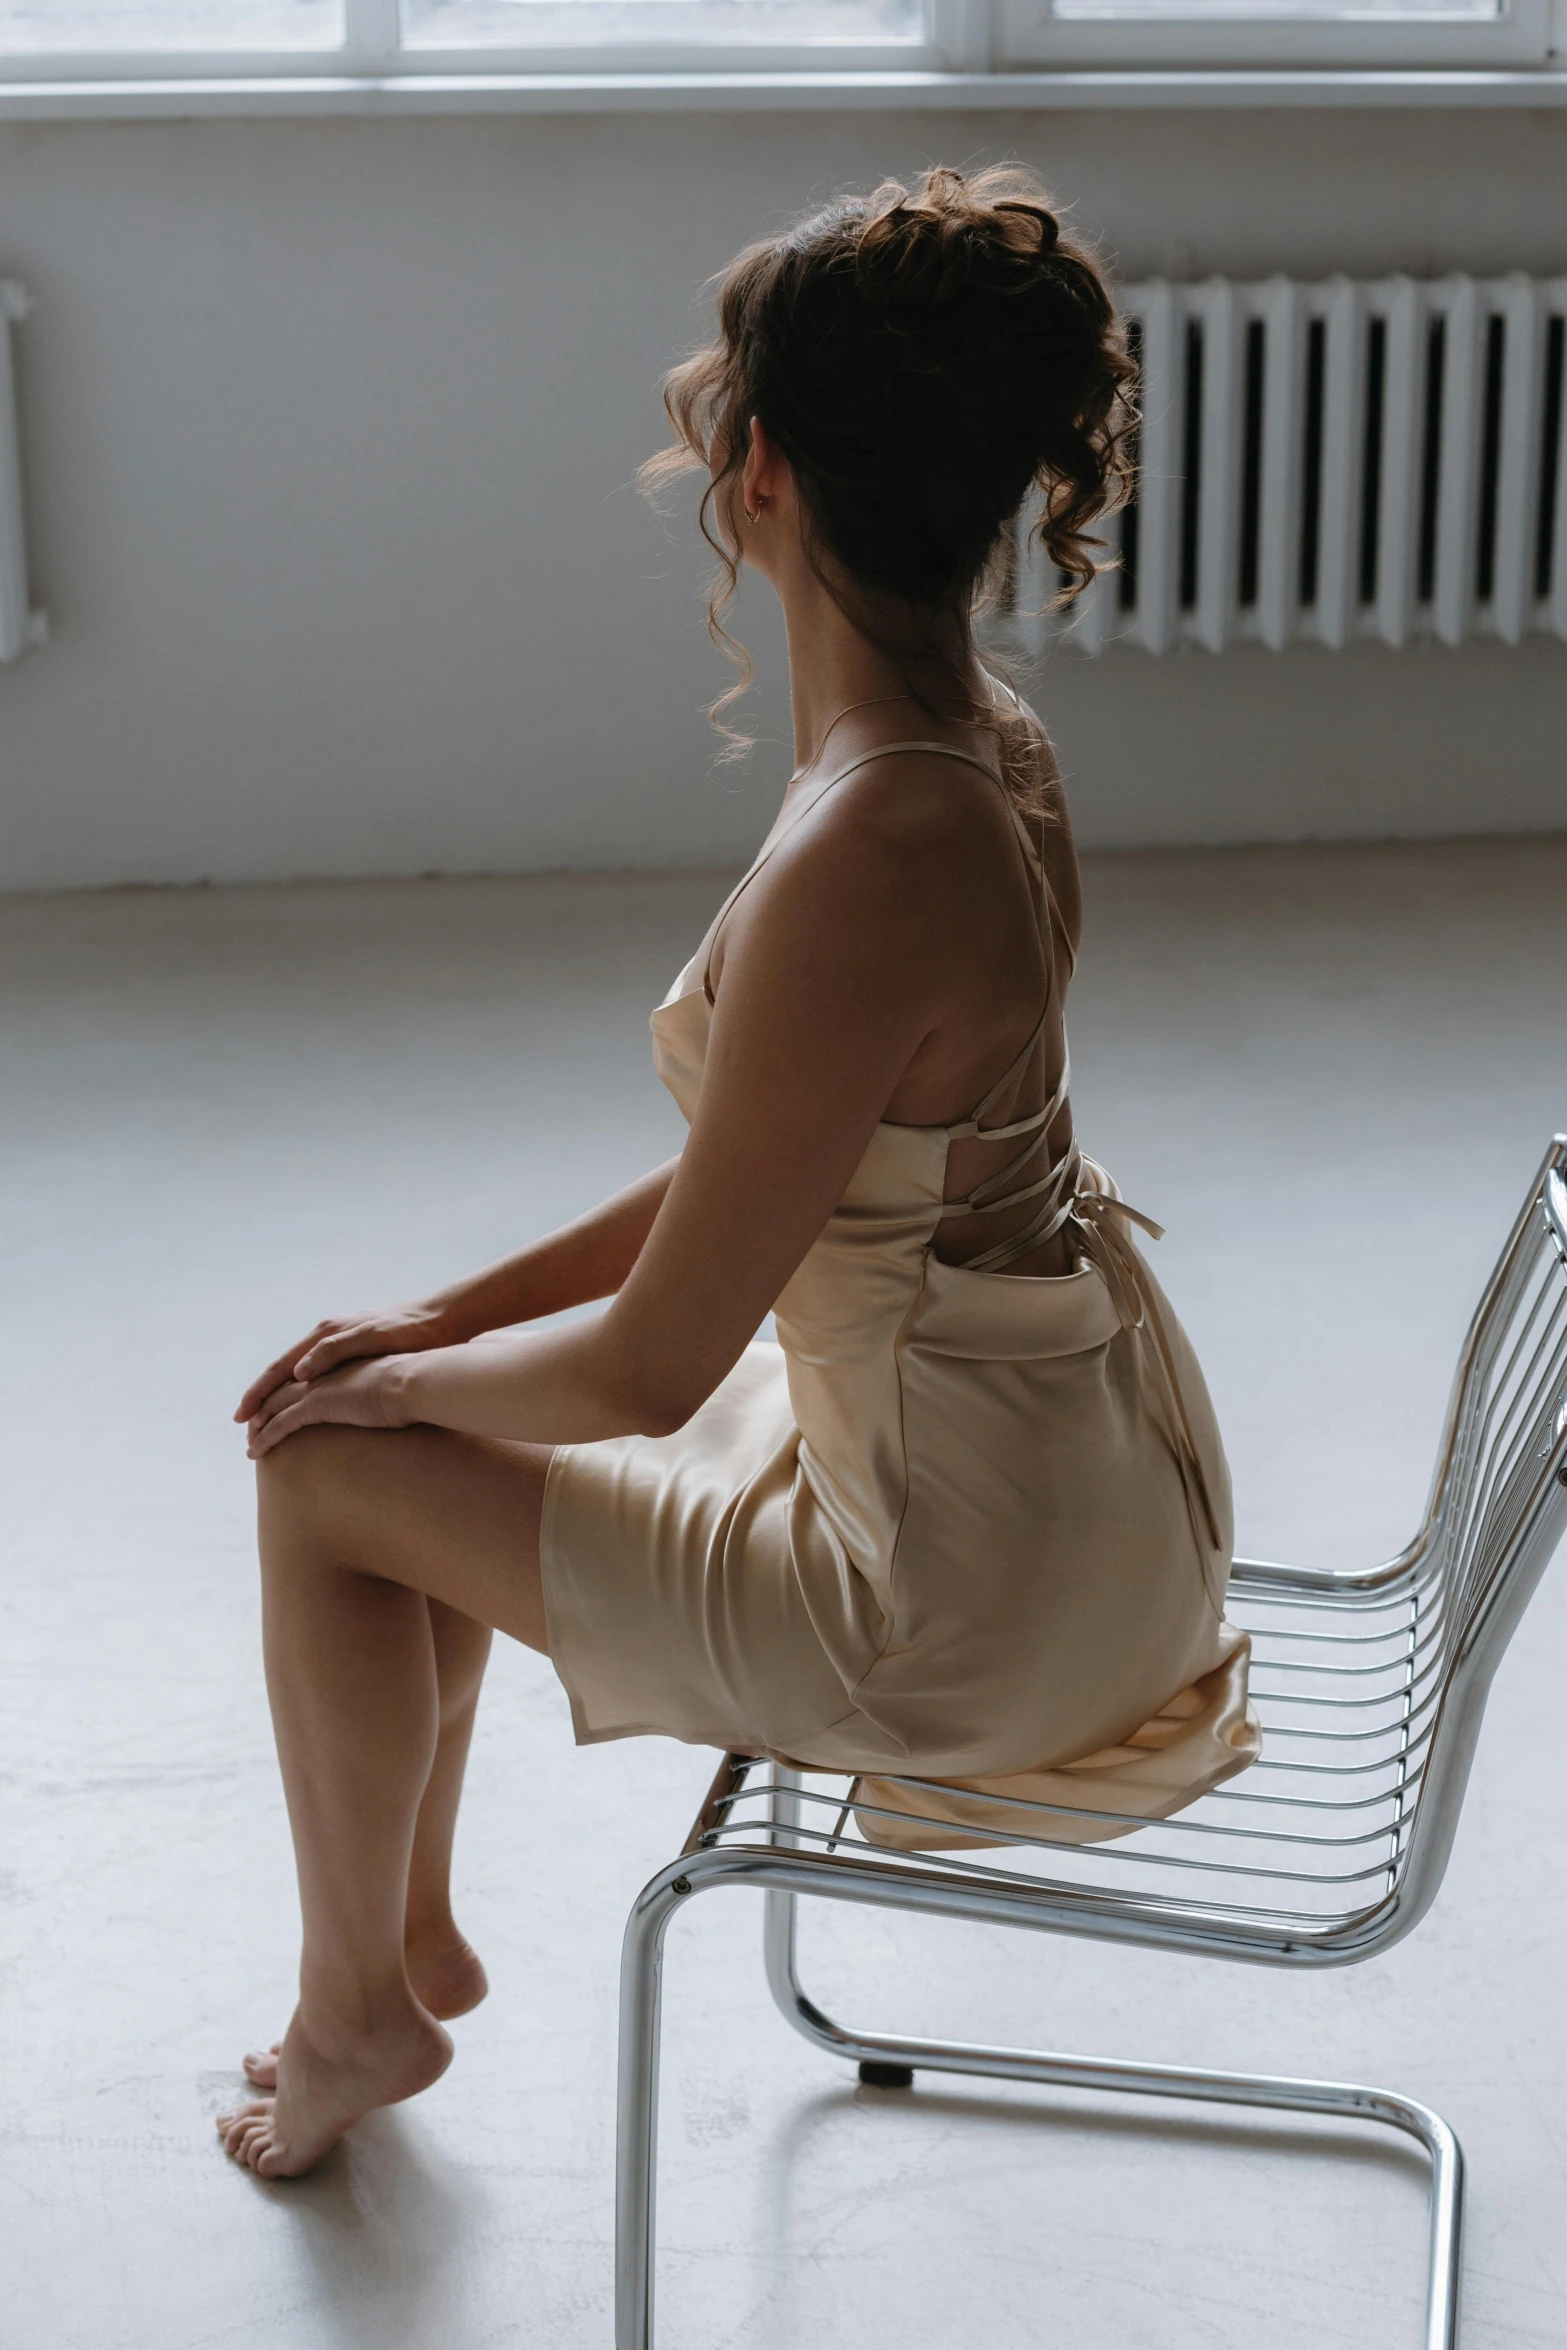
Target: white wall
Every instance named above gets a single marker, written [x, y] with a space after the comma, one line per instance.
[331, 428]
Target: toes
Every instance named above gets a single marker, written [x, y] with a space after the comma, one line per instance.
[250, 2136]
[255, 2146]
[261, 2066]
[236, 2129]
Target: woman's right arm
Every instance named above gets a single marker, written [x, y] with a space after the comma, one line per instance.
[585, 1259]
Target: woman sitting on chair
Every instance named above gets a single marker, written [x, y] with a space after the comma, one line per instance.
[969, 1518]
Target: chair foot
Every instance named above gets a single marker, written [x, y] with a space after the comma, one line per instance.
[887, 2076]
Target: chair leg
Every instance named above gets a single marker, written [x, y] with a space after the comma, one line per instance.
[636, 2141]
[892, 2053]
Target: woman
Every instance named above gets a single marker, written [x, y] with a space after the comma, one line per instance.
[970, 1518]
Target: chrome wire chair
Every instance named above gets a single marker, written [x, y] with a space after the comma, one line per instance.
[1371, 1685]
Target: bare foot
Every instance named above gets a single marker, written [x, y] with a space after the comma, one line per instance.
[328, 2079]
[445, 1974]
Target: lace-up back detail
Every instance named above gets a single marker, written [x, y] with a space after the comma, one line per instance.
[1056, 1187]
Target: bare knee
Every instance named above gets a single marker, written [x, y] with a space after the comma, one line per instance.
[310, 1480]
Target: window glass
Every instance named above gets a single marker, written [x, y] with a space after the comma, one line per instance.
[518, 24]
[107, 25]
[1265, 11]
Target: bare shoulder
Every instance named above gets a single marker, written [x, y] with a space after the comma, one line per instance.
[918, 839]
[885, 875]
[918, 814]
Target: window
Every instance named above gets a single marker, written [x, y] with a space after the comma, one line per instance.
[375, 39]
[1367, 33]
[71, 28]
[818, 25]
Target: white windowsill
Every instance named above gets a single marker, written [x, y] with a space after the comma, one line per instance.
[742, 93]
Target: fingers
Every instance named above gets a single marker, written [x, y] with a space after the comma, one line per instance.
[355, 1397]
[282, 1369]
[286, 1392]
[328, 1345]
[342, 1346]
[259, 1389]
[266, 1433]
[292, 1404]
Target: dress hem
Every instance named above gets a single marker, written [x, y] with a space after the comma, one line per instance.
[554, 1611]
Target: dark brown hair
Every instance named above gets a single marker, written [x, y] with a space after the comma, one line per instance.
[924, 360]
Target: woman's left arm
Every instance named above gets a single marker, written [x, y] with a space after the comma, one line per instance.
[832, 976]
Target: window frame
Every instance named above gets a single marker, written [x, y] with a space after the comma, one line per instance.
[1009, 40]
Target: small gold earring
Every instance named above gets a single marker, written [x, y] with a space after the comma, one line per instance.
[756, 517]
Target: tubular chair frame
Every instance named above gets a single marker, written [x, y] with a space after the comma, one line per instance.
[1402, 1653]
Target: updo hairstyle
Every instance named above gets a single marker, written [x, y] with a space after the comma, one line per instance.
[924, 361]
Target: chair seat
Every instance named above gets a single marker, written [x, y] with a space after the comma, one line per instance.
[1305, 1848]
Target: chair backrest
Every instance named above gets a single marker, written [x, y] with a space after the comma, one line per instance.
[1498, 1508]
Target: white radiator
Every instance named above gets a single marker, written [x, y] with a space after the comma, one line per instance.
[1319, 462]
[20, 626]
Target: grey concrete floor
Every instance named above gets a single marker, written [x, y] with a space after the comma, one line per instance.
[1330, 1072]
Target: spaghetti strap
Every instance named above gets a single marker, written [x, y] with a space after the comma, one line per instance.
[865, 759]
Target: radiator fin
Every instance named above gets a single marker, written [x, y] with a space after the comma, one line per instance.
[1321, 461]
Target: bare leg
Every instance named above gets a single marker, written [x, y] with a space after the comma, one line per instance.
[443, 1969]
[445, 1972]
[356, 1528]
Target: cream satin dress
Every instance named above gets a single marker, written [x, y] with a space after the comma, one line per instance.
[958, 1523]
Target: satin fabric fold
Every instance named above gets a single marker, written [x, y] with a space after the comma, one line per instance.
[1207, 1732]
